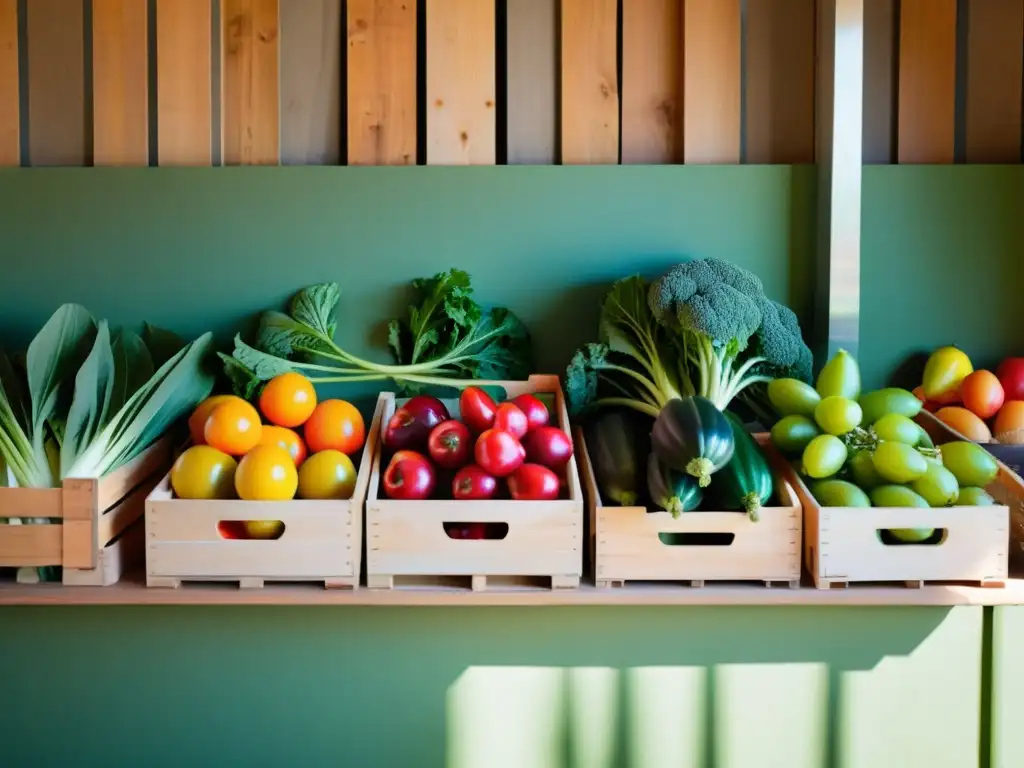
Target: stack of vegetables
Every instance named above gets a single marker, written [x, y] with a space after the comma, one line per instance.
[674, 357]
[86, 399]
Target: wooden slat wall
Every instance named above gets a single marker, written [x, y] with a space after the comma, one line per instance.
[311, 82]
[382, 82]
[250, 82]
[56, 83]
[994, 64]
[590, 87]
[532, 82]
[184, 82]
[712, 91]
[10, 112]
[120, 77]
[652, 81]
[880, 53]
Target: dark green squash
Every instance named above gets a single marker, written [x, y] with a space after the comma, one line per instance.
[674, 492]
[746, 482]
[618, 444]
[692, 436]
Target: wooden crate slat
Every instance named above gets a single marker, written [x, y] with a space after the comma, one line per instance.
[461, 83]
[10, 108]
[879, 139]
[31, 502]
[56, 83]
[30, 545]
[995, 55]
[590, 83]
[311, 82]
[652, 81]
[381, 82]
[184, 82]
[927, 81]
[250, 82]
[532, 82]
[120, 77]
[780, 45]
[712, 81]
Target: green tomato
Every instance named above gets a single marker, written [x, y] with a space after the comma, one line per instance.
[839, 493]
[792, 433]
[899, 463]
[974, 497]
[937, 486]
[837, 415]
[840, 377]
[896, 496]
[880, 402]
[897, 428]
[824, 456]
[863, 472]
[792, 397]
[971, 464]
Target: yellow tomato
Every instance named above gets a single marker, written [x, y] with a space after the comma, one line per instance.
[197, 421]
[264, 529]
[287, 439]
[945, 370]
[327, 475]
[202, 472]
[266, 473]
[233, 427]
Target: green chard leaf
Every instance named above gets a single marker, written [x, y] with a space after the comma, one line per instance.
[262, 365]
[54, 355]
[244, 382]
[443, 315]
[498, 348]
[90, 406]
[284, 336]
[315, 307]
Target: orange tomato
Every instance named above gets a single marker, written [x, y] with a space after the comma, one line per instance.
[1009, 420]
[965, 422]
[266, 473]
[982, 394]
[197, 421]
[287, 439]
[288, 400]
[919, 394]
[233, 427]
[335, 425]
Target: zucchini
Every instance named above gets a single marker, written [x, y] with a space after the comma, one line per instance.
[617, 447]
[745, 483]
[692, 436]
[674, 492]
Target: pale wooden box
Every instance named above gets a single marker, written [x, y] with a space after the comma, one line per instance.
[407, 545]
[626, 544]
[321, 542]
[93, 537]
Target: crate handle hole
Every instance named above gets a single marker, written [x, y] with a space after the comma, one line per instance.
[264, 530]
[912, 537]
[477, 531]
[697, 539]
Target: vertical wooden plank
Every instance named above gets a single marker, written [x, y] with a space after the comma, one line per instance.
[532, 82]
[120, 77]
[712, 81]
[56, 83]
[590, 82]
[382, 82]
[184, 82]
[652, 81]
[461, 109]
[995, 55]
[879, 139]
[249, 82]
[311, 82]
[927, 92]
[10, 109]
[780, 81]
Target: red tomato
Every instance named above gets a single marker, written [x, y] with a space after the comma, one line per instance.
[1011, 376]
[409, 476]
[477, 409]
[499, 453]
[466, 530]
[450, 445]
[410, 426]
[532, 482]
[982, 394]
[508, 418]
[536, 412]
[548, 446]
[472, 483]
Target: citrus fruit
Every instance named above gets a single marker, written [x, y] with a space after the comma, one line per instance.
[202, 472]
[327, 475]
[266, 473]
[197, 421]
[335, 425]
[233, 427]
[288, 400]
[287, 439]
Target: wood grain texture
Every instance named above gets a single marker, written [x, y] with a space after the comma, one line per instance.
[311, 82]
[250, 82]
[712, 90]
[532, 82]
[382, 82]
[879, 139]
[10, 108]
[184, 82]
[590, 83]
[780, 45]
[995, 54]
[56, 83]
[461, 83]
[652, 81]
[120, 77]
[927, 83]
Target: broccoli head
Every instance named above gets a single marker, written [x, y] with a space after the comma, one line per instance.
[780, 342]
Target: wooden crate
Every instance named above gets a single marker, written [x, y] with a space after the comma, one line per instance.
[626, 543]
[843, 545]
[407, 544]
[321, 542]
[92, 535]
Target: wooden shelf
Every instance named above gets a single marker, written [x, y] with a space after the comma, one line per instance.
[132, 591]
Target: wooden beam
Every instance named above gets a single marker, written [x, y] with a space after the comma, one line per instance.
[10, 105]
[531, 96]
[712, 77]
[120, 77]
[880, 51]
[995, 54]
[184, 82]
[250, 82]
[927, 92]
[590, 82]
